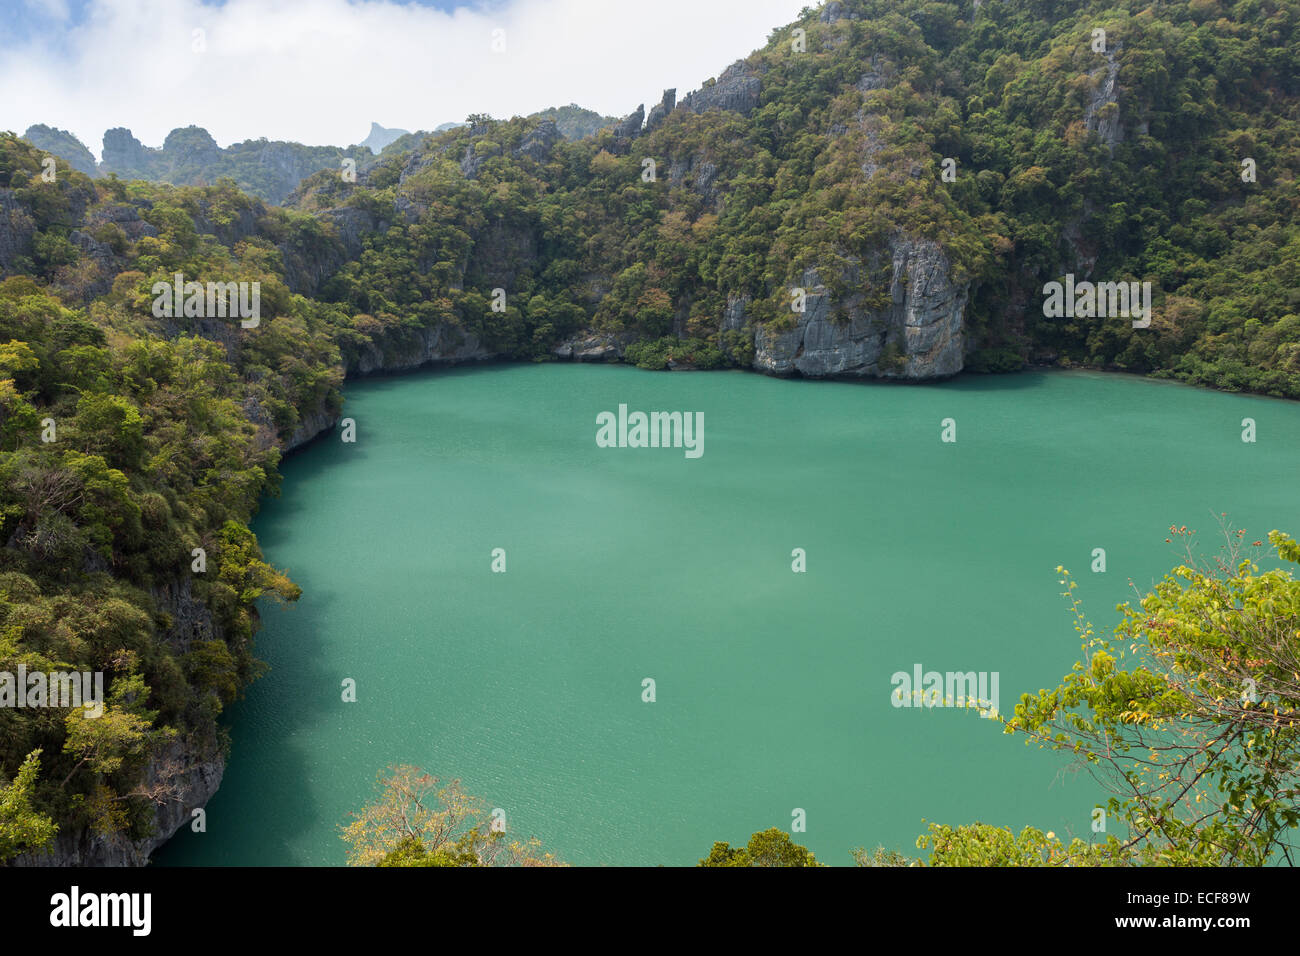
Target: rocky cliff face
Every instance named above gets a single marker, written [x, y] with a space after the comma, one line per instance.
[17, 229]
[183, 774]
[399, 350]
[1101, 115]
[193, 773]
[737, 89]
[918, 335]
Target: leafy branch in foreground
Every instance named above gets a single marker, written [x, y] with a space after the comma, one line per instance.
[1189, 716]
[415, 822]
[22, 827]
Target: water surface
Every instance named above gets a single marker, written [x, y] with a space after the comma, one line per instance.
[773, 688]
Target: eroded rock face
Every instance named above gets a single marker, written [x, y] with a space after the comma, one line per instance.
[917, 336]
[126, 155]
[659, 112]
[17, 229]
[404, 349]
[1102, 113]
[835, 10]
[594, 347]
[737, 89]
[631, 125]
[182, 775]
[537, 144]
[194, 776]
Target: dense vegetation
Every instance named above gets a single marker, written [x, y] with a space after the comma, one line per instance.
[127, 440]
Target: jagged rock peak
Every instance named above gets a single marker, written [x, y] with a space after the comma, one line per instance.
[835, 10]
[631, 126]
[661, 110]
[736, 89]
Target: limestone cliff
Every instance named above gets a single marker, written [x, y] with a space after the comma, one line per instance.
[917, 335]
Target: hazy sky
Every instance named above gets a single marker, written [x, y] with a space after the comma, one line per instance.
[318, 71]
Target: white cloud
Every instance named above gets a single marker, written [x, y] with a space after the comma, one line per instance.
[56, 9]
[318, 71]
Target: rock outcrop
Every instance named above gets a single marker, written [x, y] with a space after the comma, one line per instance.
[737, 89]
[62, 143]
[918, 335]
[1101, 115]
[537, 145]
[835, 10]
[192, 775]
[404, 349]
[594, 347]
[631, 125]
[127, 156]
[17, 230]
[659, 112]
[181, 776]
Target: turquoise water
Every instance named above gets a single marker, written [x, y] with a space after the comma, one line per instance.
[772, 688]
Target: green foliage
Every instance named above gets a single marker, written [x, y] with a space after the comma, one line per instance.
[414, 821]
[982, 845]
[1189, 711]
[771, 847]
[170, 429]
[21, 826]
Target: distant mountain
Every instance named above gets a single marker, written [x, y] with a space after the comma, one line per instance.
[63, 145]
[268, 169]
[381, 136]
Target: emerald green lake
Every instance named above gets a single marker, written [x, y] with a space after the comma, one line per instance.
[773, 688]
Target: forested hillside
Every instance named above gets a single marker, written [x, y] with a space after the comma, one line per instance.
[677, 239]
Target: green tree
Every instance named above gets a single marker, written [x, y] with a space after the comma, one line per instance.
[416, 822]
[771, 847]
[1191, 715]
[21, 826]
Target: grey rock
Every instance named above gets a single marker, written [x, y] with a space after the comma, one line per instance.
[1101, 115]
[630, 128]
[835, 10]
[17, 229]
[537, 144]
[183, 774]
[733, 315]
[475, 157]
[311, 425]
[402, 349]
[876, 77]
[595, 347]
[125, 217]
[918, 335]
[63, 144]
[351, 224]
[699, 174]
[661, 110]
[127, 156]
[737, 89]
[190, 774]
